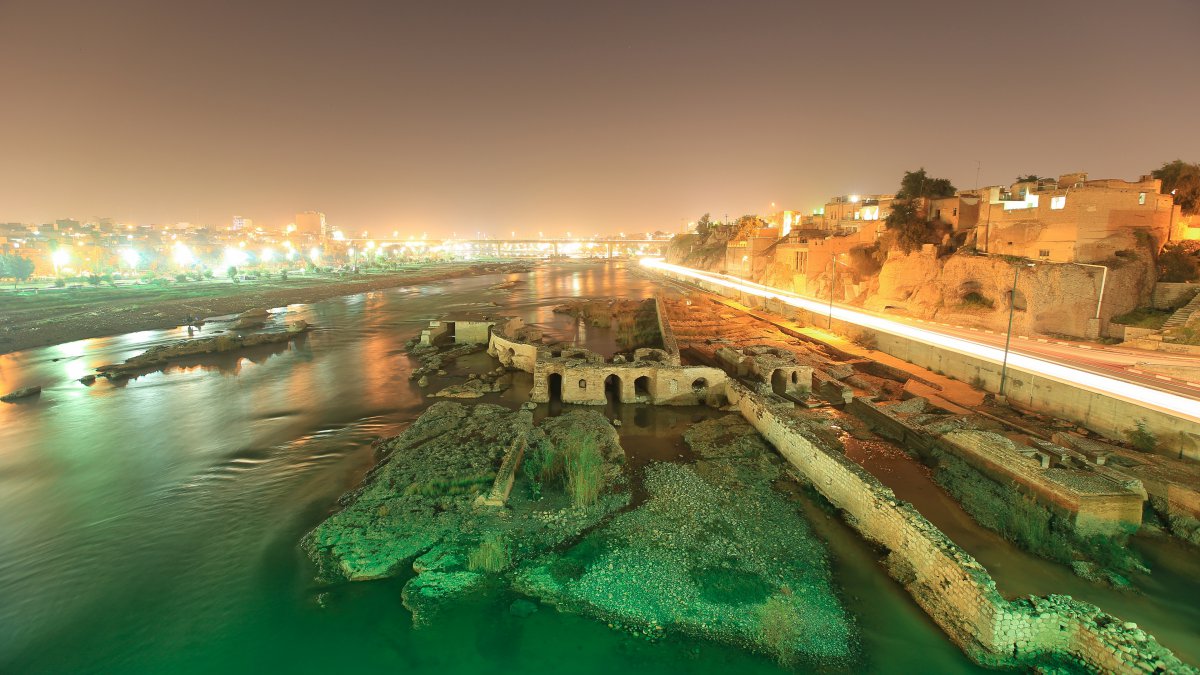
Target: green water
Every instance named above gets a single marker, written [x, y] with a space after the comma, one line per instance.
[152, 527]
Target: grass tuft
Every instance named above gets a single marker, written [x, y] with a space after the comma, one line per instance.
[490, 556]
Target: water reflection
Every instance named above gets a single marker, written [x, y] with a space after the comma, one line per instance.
[151, 527]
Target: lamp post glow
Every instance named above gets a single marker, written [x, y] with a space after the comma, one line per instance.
[130, 257]
[183, 257]
[60, 258]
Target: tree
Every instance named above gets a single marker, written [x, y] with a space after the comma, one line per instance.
[906, 226]
[1179, 262]
[703, 225]
[15, 267]
[1182, 180]
[1030, 178]
[917, 184]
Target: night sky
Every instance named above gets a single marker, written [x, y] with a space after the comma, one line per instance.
[589, 117]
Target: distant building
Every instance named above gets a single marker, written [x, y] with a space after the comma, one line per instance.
[241, 224]
[1073, 219]
[744, 257]
[312, 222]
[848, 213]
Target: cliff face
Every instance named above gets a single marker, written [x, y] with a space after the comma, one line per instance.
[974, 291]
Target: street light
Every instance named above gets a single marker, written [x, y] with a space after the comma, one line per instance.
[60, 258]
[1012, 306]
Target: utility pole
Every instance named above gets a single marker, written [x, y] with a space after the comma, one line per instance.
[1012, 306]
[832, 283]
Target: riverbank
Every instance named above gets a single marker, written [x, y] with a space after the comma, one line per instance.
[65, 315]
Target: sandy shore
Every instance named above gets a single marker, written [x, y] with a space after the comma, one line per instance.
[64, 316]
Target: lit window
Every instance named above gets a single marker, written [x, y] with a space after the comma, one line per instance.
[1141, 197]
[1058, 202]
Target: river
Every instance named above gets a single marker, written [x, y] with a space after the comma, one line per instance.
[152, 526]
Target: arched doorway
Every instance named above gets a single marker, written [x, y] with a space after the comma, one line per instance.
[641, 387]
[612, 389]
[779, 382]
[700, 388]
[554, 385]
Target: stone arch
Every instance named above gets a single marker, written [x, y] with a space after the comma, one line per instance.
[699, 385]
[612, 388]
[641, 386]
[554, 387]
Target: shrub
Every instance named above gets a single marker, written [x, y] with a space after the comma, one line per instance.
[778, 629]
[1141, 438]
[283, 275]
[974, 300]
[182, 277]
[585, 470]
[490, 556]
[59, 283]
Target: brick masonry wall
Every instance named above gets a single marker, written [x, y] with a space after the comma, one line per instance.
[949, 585]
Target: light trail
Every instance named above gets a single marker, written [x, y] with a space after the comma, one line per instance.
[1154, 399]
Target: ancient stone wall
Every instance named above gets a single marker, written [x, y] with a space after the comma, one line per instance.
[586, 383]
[472, 332]
[954, 589]
[670, 344]
[512, 353]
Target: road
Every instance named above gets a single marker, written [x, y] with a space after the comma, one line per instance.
[1104, 370]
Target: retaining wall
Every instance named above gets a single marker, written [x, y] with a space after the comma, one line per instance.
[1105, 415]
[949, 585]
[1173, 295]
[670, 344]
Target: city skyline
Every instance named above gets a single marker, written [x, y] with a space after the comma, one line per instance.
[552, 118]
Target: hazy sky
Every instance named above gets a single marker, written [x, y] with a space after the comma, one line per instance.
[600, 116]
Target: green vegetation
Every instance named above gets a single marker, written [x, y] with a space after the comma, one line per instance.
[1026, 522]
[976, 300]
[1029, 178]
[1179, 262]
[452, 486]
[1144, 317]
[1141, 437]
[917, 184]
[1183, 180]
[584, 469]
[908, 227]
[15, 267]
[490, 556]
